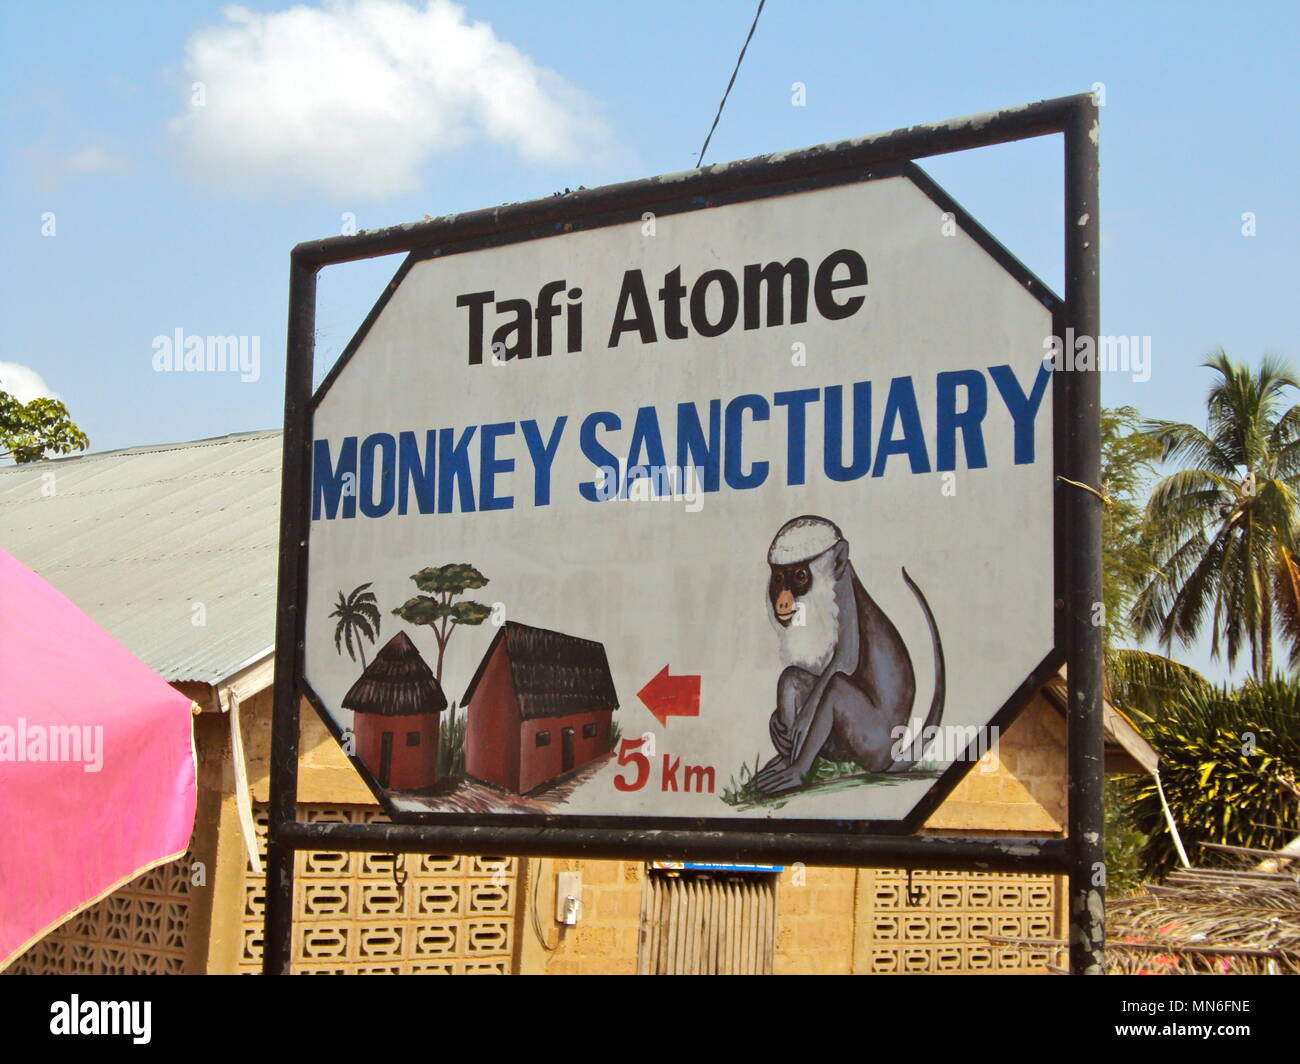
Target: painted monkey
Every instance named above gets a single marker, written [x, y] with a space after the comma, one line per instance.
[848, 681]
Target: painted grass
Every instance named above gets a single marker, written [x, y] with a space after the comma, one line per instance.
[451, 744]
[826, 776]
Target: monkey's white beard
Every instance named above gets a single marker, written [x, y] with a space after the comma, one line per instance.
[811, 645]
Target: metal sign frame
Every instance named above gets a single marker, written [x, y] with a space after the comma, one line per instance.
[1077, 519]
[1043, 670]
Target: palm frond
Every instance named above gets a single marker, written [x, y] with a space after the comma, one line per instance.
[1180, 442]
[1286, 598]
[1141, 682]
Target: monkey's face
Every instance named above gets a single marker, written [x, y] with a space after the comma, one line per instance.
[789, 584]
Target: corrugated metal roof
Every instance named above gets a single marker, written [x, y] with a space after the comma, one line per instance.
[138, 538]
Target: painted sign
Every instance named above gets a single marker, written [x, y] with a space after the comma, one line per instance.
[719, 512]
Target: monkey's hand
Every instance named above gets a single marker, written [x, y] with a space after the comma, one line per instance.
[779, 774]
[778, 779]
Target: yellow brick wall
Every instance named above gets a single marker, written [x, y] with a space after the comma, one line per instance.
[324, 772]
[605, 940]
[1017, 788]
[815, 918]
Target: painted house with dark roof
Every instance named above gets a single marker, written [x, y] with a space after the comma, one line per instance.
[540, 706]
[395, 706]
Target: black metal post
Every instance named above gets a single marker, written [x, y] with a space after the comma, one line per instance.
[1044, 855]
[1084, 616]
[277, 939]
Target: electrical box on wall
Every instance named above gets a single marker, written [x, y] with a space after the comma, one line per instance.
[568, 898]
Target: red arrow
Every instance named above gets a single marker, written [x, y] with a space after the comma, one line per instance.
[671, 696]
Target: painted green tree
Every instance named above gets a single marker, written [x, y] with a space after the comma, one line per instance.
[437, 609]
[35, 430]
[358, 620]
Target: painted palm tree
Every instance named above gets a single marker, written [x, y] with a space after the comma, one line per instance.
[358, 620]
[1223, 528]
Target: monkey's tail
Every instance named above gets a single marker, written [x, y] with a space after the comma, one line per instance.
[940, 672]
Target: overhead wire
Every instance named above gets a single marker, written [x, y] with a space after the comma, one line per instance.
[723, 103]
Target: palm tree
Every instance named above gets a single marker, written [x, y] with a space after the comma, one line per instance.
[1223, 528]
[358, 615]
[1137, 681]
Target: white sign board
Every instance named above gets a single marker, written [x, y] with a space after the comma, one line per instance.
[742, 512]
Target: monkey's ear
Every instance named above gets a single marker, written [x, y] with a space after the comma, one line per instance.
[841, 557]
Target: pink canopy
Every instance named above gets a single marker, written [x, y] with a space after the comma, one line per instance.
[97, 779]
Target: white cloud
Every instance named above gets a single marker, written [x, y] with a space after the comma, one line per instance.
[23, 384]
[51, 167]
[93, 160]
[355, 99]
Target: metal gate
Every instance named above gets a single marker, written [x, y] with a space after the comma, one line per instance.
[707, 923]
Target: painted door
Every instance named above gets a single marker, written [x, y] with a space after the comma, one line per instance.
[566, 749]
[385, 758]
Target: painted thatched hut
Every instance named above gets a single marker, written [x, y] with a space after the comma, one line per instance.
[540, 706]
[396, 705]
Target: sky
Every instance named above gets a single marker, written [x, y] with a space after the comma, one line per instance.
[158, 160]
